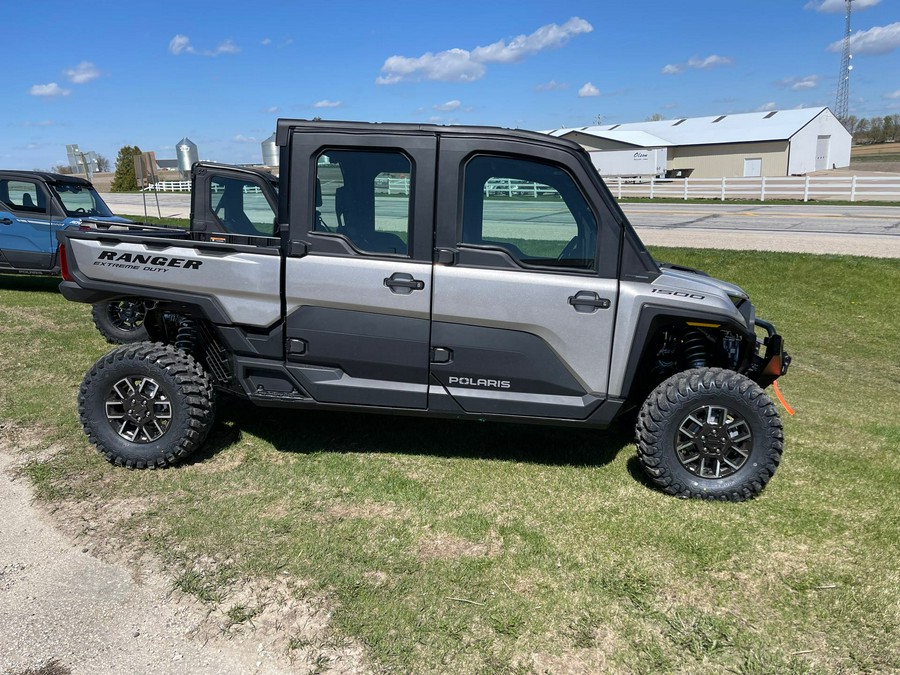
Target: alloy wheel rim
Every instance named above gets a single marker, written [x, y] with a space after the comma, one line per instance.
[713, 442]
[127, 314]
[138, 409]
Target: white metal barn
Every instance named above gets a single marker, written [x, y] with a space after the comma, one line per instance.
[773, 143]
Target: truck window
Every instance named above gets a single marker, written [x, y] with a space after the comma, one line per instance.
[533, 210]
[241, 207]
[81, 200]
[23, 195]
[364, 196]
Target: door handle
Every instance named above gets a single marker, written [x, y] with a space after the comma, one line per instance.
[588, 301]
[6, 221]
[403, 283]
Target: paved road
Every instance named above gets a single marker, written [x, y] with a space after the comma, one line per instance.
[857, 230]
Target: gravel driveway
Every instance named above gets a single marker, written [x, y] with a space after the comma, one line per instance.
[60, 605]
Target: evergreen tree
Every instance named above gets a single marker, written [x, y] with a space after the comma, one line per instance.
[124, 179]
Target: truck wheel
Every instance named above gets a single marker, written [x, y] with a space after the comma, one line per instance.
[121, 321]
[146, 405]
[709, 433]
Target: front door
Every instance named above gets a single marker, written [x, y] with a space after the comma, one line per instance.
[753, 167]
[823, 146]
[26, 237]
[358, 286]
[523, 313]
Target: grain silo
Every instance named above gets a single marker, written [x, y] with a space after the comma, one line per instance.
[270, 152]
[186, 152]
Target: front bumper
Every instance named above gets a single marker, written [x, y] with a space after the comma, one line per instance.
[774, 362]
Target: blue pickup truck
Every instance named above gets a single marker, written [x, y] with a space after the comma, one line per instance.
[34, 205]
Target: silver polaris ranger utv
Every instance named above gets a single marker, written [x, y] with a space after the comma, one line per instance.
[461, 272]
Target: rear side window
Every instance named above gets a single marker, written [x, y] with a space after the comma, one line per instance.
[365, 196]
[241, 207]
[23, 195]
[532, 210]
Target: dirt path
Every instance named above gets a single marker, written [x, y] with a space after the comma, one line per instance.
[66, 611]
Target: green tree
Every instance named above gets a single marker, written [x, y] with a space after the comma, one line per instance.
[124, 179]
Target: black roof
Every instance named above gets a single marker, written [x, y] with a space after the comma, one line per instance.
[285, 125]
[43, 176]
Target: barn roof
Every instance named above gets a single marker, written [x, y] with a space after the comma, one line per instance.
[773, 125]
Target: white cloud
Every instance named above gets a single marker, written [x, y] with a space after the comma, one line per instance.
[765, 107]
[877, 40]
[182, 44]
[893, 95]
[552, 85]
[82, 73]
[271, 109]
[240, 138]
[710, 61]
[325, 103]
[800, 83]
[265, 41]
[697, 62]
[462, 65]
[42, 123]
[838, 5]
[224, 47]
[588, 90]
[50, 90]
[449, 106]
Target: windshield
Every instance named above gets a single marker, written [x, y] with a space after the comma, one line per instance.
[81, 201]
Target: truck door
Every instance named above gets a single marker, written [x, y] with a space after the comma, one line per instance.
[525, 289]
[359, 266]
[26, 240]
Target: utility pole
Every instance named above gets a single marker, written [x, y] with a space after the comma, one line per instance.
[842, 102]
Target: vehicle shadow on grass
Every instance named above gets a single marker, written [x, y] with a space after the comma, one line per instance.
[29, 283]
[313, 431]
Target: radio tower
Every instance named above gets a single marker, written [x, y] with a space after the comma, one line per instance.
[842, 103]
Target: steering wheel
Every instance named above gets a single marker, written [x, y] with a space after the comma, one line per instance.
[570, 248]
[320, 223]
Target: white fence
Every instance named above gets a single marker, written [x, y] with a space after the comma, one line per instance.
[185, 186]
[805, 188]
[169, 186]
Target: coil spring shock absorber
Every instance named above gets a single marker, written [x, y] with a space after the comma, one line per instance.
[694, 353]
[186, 337]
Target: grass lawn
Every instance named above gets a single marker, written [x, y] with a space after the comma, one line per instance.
[475, 547]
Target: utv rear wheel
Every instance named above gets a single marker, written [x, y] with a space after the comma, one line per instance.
[709, 433]
[121, 321]
[146, 405]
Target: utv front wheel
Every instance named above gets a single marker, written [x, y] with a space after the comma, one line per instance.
[146, 405]
[709, 433]
[121, 321]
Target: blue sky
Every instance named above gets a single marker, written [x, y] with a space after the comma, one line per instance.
[107, 74]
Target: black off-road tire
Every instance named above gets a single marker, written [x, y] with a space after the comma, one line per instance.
[121, 321]
[692, 435]
[146, 405]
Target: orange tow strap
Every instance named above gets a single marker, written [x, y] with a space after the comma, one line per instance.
[790, 410]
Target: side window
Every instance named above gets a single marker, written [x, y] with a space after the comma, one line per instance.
[533, 210]
[241, 207]
[23, 196]
[365, 196]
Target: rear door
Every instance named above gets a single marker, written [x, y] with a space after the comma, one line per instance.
[525, 291]
[26, 239]
[358, 274]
